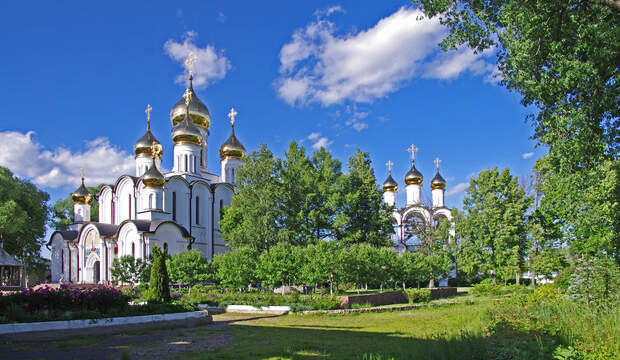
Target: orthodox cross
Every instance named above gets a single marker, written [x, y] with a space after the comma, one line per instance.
[389, 165]
[232, 114]
[191, 59]
[437, 162]
[82, 172]
[148, 116]
[412, 149]
[187, 96]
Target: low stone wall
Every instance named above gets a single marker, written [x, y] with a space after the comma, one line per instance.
[386, 298]
[442, 292]
[376, 309]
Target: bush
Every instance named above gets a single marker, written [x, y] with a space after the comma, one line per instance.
[418, 295]
[487, 288]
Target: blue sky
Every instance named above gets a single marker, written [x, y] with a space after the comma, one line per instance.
[76, 78]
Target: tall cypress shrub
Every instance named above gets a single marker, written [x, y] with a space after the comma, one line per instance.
[159, 289]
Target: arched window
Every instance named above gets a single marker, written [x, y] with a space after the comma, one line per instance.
[232, 175]
[151, 202]
[197, 210]
[195, 168]
[186, 162]
[62, 260]
[129, 207]
[165, 248]
[221, 207]
[133, 249]
[174, 206]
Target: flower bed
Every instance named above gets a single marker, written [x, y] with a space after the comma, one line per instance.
[70, 303]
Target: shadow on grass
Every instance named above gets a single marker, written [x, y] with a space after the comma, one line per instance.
[304, 342]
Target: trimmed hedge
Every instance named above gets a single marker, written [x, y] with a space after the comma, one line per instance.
[418, 295]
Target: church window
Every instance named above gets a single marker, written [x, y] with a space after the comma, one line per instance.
[197, 210]
[133, 249]
[232, 175]
[174, 206]
[62, 261]
[195, 168]
[151, 205]
[165, 248]
[186, 165]
[221, 207]
[129, 208]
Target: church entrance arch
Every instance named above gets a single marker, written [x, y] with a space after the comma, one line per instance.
[93, 268]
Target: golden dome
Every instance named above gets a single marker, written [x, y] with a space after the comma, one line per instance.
[198, 112]
[232, 148]
[82, 195]
[146, 144]
[413, 177]
[438, 182]
[153, 178]
[390, 184]
[186, 132]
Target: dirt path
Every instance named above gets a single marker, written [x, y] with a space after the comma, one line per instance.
[154, 344]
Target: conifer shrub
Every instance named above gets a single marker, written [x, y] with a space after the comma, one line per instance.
[159, 286]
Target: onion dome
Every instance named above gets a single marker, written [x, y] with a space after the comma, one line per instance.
[438, 182]
[153, 178]
[186, 132]
[414, 176]
[390, 184]
[198, 112]
[147, 145]
[232, 148]
[82, 195]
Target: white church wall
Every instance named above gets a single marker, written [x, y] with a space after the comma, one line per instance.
[105, 205]
[223, 197]
[125, 203]
[168, 235]
[180, 187]
[201, 220]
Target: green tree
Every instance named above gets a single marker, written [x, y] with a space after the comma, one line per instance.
[159, 285]
[62, 212]
[363, 217]
[492, 227]
[236, 268]
[280, 265]
[321, 264]
[23, 215]
[129, 270]
[360, 262]
[189, 268]
[253, 220]
[562, 57]
[416, 268]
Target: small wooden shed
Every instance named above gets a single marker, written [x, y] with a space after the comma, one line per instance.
[11, 271]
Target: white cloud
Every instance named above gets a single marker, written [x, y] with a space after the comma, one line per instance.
[318, 65]
[355, 121]
[319, 141]
[329, 11]
[211, 65]
[527, 155]
[458, 188]
[25, 157]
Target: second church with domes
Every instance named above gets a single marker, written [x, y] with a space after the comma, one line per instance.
[176, 211]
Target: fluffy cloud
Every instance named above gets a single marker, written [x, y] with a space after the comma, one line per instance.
[527, 155]
[319, 141]
[458, 188]
[318, 65]
[25, 157]
[211, 65]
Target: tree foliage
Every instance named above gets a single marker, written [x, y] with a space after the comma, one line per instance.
[280, 265]
[159, 285]
[492, 227]
[236, 268]
[562, 57]
[23, 215]
[304, 199]
[129, 270]
[188, 268]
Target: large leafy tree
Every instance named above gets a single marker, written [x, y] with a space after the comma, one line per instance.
[562, 57]
[492, 227]
[253, 220]
[280, 265]
[129, 270]
[62, 212]
[188, 267]
[363, 217]
[322, 264]
[236, 268]
[23, 215]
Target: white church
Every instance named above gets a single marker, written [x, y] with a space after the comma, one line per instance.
[176, 210]
[416, 213]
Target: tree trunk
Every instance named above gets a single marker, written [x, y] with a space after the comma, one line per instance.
[431, 283]
[494, 277]
[404, 288]
[518, 277]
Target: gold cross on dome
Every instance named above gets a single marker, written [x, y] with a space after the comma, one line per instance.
[148, 115]
[437, 162]
[412, 149]
[232, 114]
[191, 59]
[82, 172]
[187, 96]
[389, 165]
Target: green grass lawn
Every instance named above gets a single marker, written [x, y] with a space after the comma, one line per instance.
[446, 332]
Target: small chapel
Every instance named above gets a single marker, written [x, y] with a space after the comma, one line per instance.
[416, 214]
[176, 211]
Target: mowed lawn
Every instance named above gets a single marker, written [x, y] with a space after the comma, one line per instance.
[446, 332]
